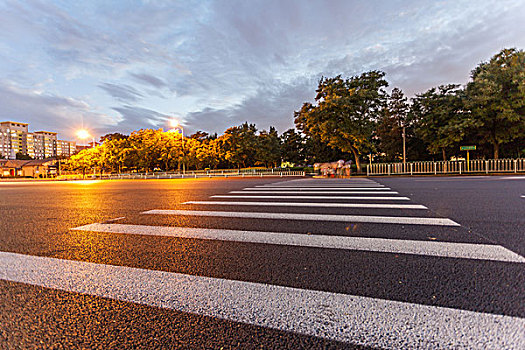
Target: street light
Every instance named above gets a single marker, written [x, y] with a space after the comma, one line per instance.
[83, 134]
[174, 123]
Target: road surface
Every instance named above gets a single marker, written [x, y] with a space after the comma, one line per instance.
[423, 262]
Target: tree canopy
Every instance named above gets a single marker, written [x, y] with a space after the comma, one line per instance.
[345, 112]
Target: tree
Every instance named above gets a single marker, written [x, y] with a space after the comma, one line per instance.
[240, 144]
[268, 152]
[440, 118]
[23, 156]
[200, 135]
[345, 112]
[113, 136]
[391, 123]
[496, 98]
[292, 147]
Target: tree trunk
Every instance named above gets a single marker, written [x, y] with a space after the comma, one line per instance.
[444, 154]
[496, 150]
[357, 161]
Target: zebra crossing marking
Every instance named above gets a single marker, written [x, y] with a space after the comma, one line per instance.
[309, 197]
[316, 192]
[397, 246]
[406, 220]
[318, 205]
[318, 188]
[347, 318]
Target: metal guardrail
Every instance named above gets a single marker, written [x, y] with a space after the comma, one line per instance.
[448, 167]
[194, 174]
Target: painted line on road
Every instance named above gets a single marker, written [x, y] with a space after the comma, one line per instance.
[115, 219]
[317, 192]
[318, 205]
[346, 318]
[309, 197]
[344, 189]
[406, 220]
[397, 246]
[324, 187]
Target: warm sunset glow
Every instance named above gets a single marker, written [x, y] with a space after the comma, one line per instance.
[174, 123]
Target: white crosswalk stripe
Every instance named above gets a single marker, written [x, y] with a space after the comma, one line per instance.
[318, 205]
[315, 192]
[431, 248]
[407, 220]
[344, 189]
[312, 197]
[347, 318]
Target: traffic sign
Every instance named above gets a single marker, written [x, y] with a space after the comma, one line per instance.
[467, 148]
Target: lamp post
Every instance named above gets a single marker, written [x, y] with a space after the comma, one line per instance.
[174, 126]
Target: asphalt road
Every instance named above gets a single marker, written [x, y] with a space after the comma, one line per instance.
[423, 262]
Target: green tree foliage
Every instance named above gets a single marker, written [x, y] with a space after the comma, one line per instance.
[293, 147]
[440, 119]
[240, 144]
[345, 112]
[268, 152]
[496, 98]
[391, 123]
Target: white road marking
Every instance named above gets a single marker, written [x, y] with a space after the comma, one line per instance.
[317, 192]
[318, 205]
[308, 197]
[116, 219]
[441, 249]
[346, 318]
[407, 220]
[343, 189]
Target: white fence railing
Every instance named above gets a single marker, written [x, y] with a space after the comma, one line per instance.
[194, 174]
[449, 167]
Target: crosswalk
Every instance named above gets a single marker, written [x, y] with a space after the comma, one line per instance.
[332, 218]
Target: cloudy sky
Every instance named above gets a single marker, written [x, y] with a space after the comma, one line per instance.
[125, 65]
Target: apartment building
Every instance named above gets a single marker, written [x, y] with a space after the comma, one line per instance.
[66, 148]
[13, 139]
[45, 144]
[16, 138]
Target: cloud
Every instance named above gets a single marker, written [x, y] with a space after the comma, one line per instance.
[49, 112]
[220, 63]
[134, 118]
[149, 80]
[122, 92]
[272, 105]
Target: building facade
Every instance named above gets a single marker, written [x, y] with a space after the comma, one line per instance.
[66, 148]
[16, 138]
[13, 139]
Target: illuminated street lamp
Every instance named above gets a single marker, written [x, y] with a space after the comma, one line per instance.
[83, 134]
[174, 123]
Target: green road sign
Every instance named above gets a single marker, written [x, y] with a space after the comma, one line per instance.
[467, 148]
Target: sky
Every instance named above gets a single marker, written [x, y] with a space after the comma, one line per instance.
[119, 66]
